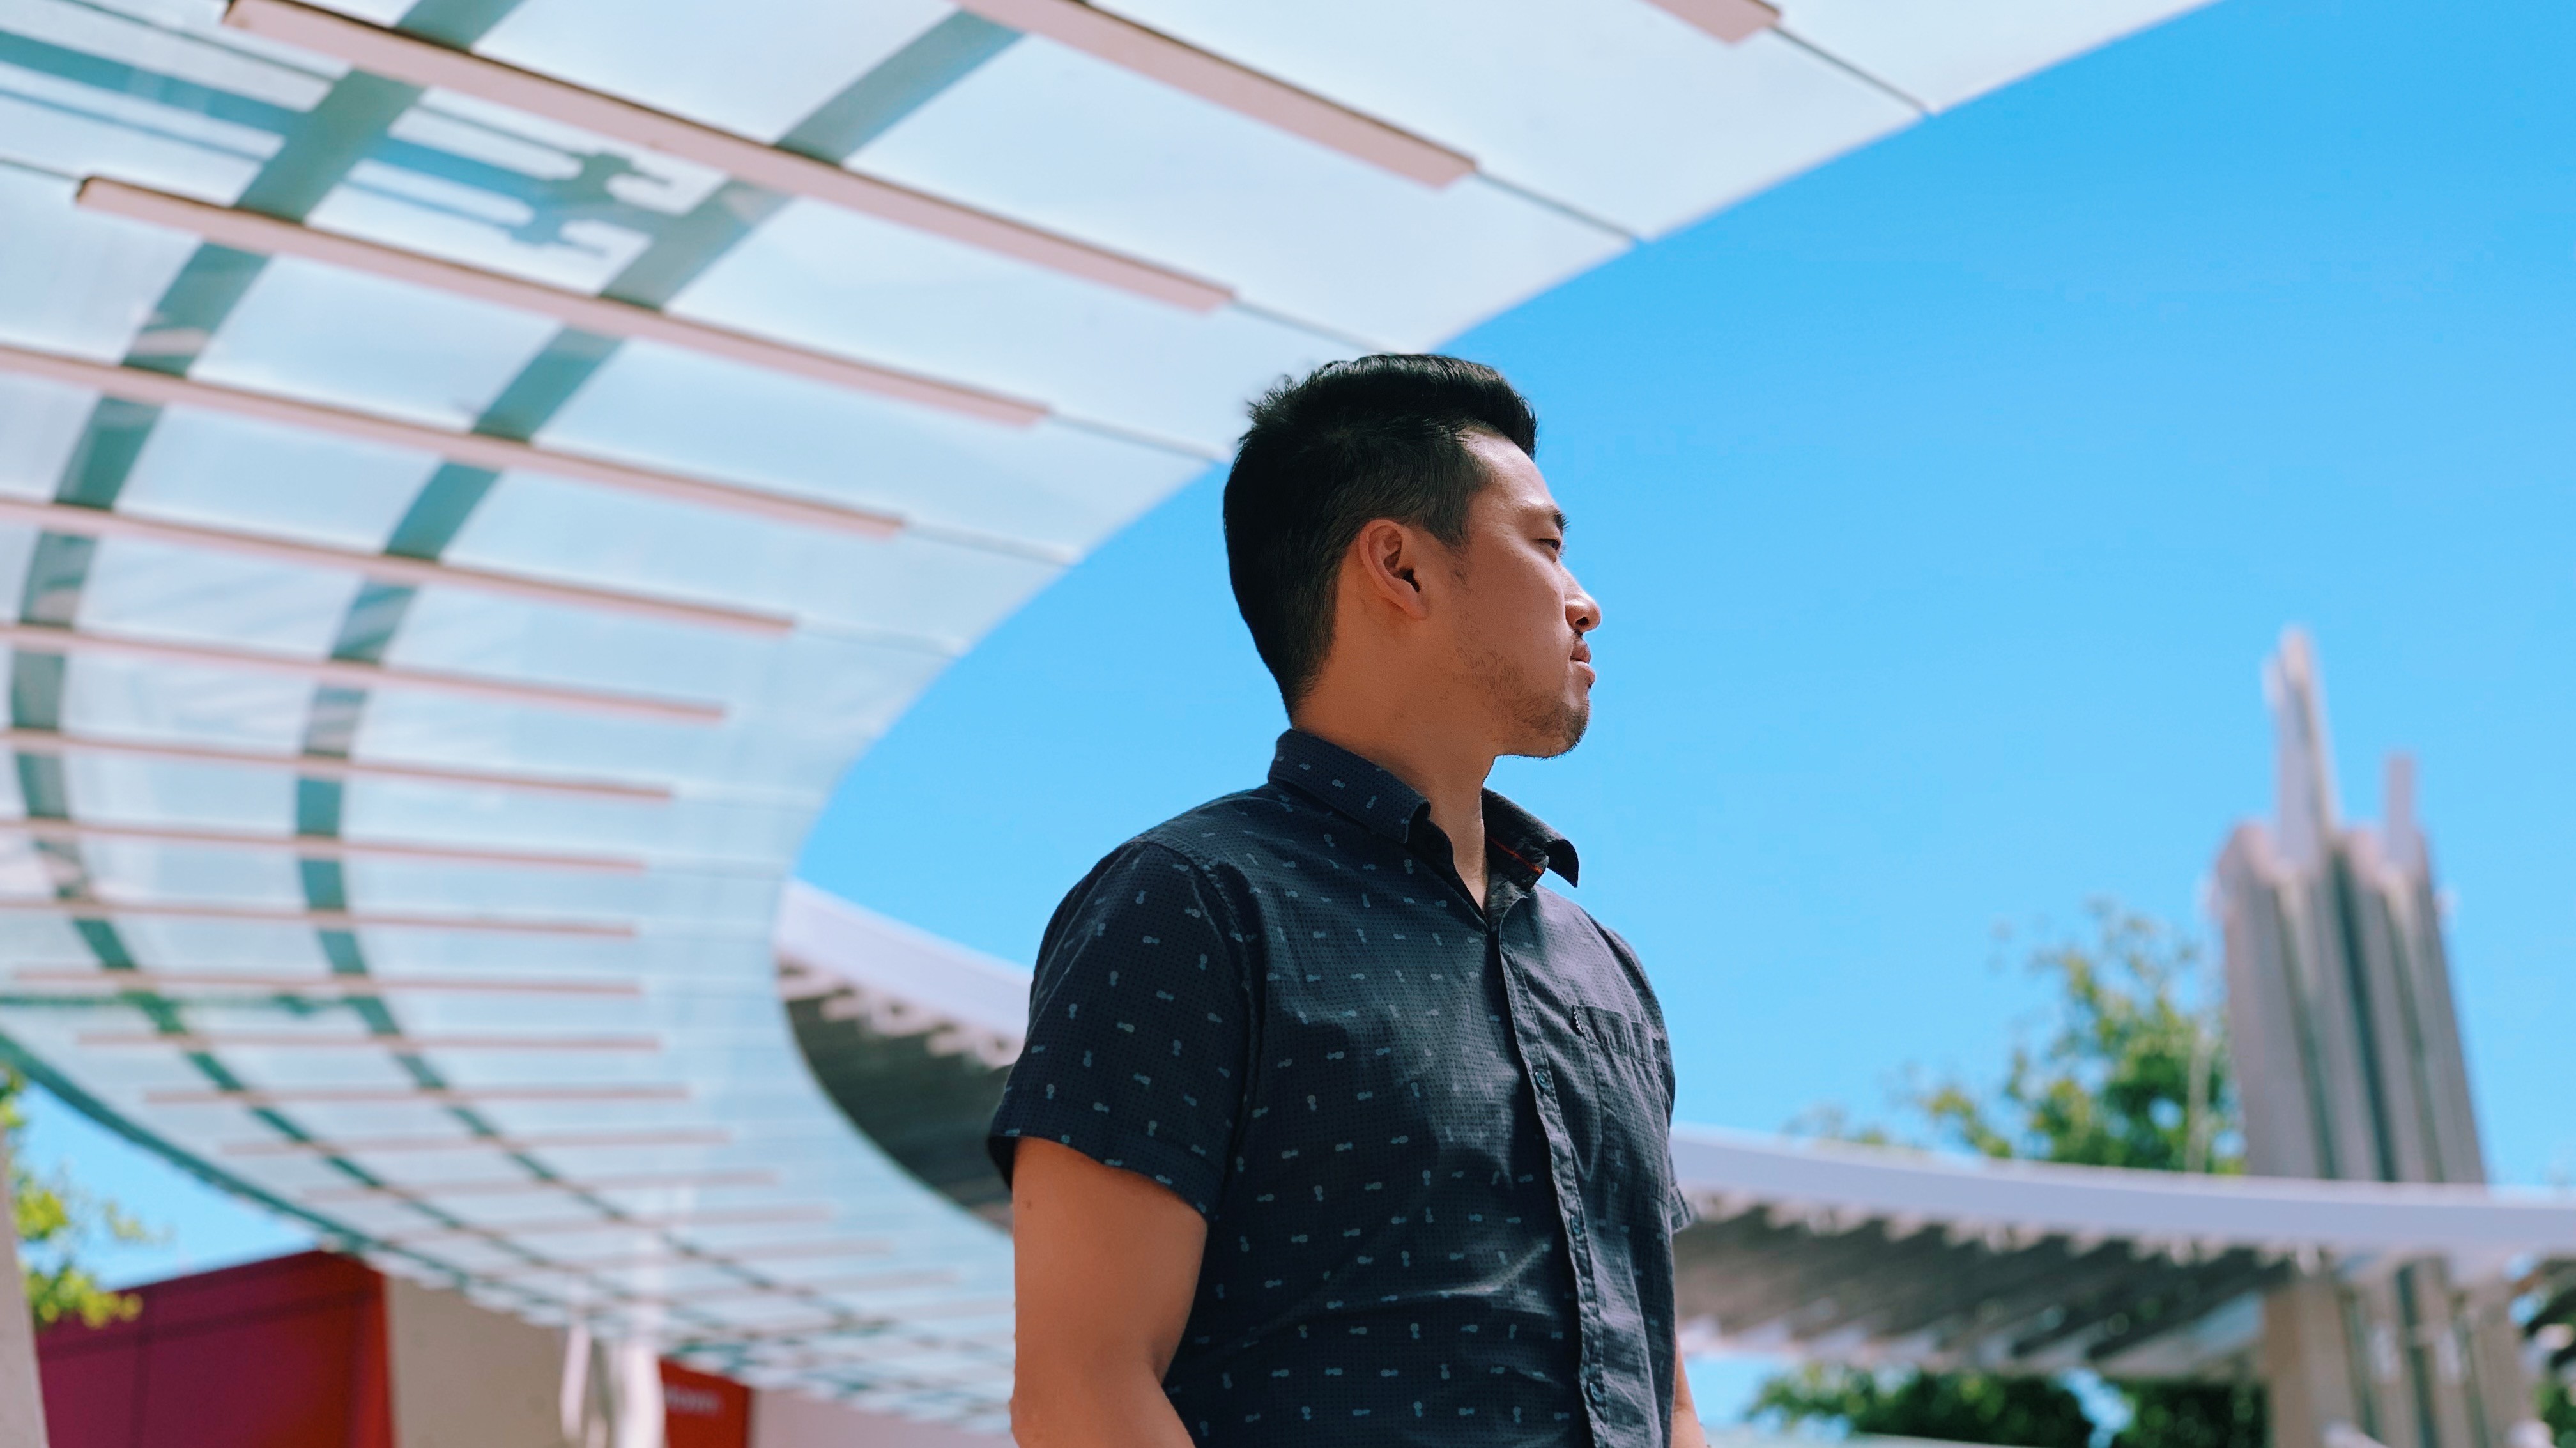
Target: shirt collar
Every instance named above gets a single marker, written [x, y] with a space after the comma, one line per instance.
[1350, 785]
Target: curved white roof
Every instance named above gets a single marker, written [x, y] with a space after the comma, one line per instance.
[474, 472]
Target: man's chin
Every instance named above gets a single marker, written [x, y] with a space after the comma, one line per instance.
[1556, 731]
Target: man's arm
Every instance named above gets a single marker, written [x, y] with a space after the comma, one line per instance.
[1686, 1429]
[1106, 1263]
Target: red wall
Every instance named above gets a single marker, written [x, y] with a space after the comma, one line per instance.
[288, 1353]
[701, 1410]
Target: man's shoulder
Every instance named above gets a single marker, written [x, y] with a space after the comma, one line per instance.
[1200, 863]
[1220, 842]
[1565, 921]
[1228, 831]
[1561, 913]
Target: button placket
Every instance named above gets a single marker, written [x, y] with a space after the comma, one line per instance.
[1562, 1172]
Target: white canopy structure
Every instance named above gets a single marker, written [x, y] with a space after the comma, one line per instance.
[1832, 1250]
[473, 473]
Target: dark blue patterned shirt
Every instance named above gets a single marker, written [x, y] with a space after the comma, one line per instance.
[1430, 1141]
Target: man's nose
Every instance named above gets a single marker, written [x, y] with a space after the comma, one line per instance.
[1582, 611]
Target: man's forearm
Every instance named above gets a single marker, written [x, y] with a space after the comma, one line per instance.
[1104, 1263]
[1092, 1405]
[1686, 1429]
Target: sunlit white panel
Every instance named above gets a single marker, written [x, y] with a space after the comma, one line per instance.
[584, 169]
[168, 48]
[360, 342]
[576, 233]
[1943, 52]
[78, 130]
[105, 787]
[732, 904]
[124, 697]
[440, 218]
[1051, 485]
[439, 729]
[71, 281]
[17, 551]
[1102, 154]
[688, 836]
[1617, 109]
[928, 593]
[151, 591]
[378, 12]
[459, 632]
[27, 875]
[42, 421]
[241, 475]
[756, 67]
[841, 282]
[161, 943]
[127, 870]
[468, 888]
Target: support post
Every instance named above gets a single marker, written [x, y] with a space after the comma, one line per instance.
[22, 1398]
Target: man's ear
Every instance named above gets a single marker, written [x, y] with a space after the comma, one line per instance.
[1390, 558]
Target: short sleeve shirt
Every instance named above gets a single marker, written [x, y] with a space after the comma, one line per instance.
[1431, 1141]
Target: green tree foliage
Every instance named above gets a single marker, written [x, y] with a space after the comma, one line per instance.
[1964, 1407]
[2193, 1415]
[2558, 1411]
[54, 1219]
[2129, 1074]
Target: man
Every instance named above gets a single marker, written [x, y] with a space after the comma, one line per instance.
[1332, 1120]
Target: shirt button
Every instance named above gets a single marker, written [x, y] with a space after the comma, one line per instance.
[1540, 1075]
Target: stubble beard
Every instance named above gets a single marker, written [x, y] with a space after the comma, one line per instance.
[1543, 723]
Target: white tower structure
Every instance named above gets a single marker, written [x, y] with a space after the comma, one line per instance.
[2347, 1053]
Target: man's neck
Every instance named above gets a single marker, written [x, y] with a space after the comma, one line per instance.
[1452, 779]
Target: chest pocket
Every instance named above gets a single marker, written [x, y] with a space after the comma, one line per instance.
[1614, 1037]
[1627, 1059]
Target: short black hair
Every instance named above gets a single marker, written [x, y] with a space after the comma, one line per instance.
[1375, 437]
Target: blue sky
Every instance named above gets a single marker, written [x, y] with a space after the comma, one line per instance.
[1943, 504]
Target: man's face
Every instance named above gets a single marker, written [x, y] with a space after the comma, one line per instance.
[1520, 631]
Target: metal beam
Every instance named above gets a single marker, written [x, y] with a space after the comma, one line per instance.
[541, 1141]
[250, 231]
[71, 518]
[298, 1041]
[397, 56]
[22, 1397]
[342, 985]
[2190, 1301]
[439, 1096]
[325, 766]
[1220, 82]
[32, 638]
[697, 1256]
[1890, 1283]
[576, 1226]
[529, 1186]
[315, 847]
[499, 454]
[1983, 1275]
[316, 919]
[1733, 21]
[873, 1282]
[1817, 1272]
